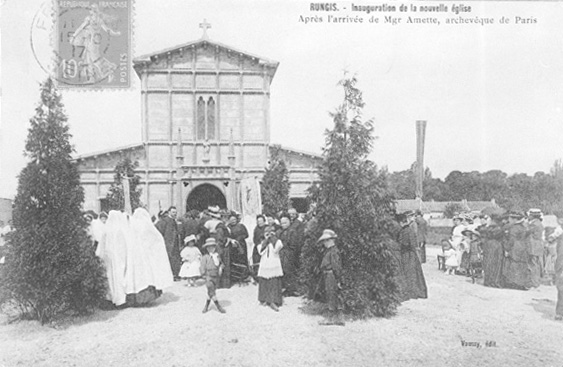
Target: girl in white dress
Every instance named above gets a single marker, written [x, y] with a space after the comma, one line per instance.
[450, 256]
[191, 257]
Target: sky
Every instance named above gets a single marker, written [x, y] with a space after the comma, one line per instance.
[492, 95]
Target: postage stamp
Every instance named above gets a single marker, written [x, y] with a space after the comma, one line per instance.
[93, 43]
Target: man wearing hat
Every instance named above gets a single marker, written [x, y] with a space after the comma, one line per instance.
[536, 248]
[331, 269]
[211, 269]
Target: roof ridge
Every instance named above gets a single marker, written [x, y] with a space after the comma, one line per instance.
[146, 57]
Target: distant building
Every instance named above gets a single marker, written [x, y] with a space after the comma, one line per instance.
[205, 123]
[436, 209]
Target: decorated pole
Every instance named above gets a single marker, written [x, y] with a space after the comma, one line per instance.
[419, 174]
[127, 196]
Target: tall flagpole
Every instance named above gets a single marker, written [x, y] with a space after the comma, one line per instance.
[419, 174]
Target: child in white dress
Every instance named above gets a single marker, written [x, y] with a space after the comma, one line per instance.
[191, 257]
[451, 257]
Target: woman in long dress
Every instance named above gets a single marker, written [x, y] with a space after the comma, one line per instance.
[516, 273]
[89, 35]
[492, 236]
[413, 282]
[270, 272]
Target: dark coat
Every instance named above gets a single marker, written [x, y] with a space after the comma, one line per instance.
[169, 229]
[411, 278]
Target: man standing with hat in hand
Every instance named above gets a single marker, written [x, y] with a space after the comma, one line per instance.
[331, 269]
[535, 240]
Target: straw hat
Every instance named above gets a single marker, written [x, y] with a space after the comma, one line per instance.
[190, 238]
[210, 242]
[327, 234]
[516, 215]
[214, 211]
[468, 231]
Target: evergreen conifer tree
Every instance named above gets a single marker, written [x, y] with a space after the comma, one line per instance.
[50, 265]
[275, 184]
[352, 198]
[116, 200]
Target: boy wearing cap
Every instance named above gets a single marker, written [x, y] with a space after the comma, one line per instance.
[331, 268]
[211, 269]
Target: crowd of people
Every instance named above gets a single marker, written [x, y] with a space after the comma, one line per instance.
[512, 250]
[212, 246]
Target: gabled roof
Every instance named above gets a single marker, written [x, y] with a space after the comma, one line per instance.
[147, 57]
[108, 151]
[300, 152]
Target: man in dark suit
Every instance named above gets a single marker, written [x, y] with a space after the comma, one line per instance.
[168, 227]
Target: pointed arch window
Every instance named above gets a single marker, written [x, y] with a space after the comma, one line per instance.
[206, 118]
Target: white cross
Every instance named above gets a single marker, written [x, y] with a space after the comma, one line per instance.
[205, 26]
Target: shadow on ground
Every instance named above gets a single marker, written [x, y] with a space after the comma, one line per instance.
[544, 306]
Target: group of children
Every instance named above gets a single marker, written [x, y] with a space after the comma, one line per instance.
[461, 254]
[209, 267]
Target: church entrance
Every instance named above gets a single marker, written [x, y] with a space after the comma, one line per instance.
[203, 196]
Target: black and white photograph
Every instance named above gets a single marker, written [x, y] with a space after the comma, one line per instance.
[281, 183]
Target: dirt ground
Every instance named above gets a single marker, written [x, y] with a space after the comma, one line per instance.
[518, 325]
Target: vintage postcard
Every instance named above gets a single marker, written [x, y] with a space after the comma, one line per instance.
[463, 103]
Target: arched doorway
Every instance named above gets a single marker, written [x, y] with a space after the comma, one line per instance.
[205, 195]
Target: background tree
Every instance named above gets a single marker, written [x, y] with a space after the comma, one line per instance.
[402, 185]
[354, 200]
[50, 264]
[115, 198]
[452, 209]
[275, 184]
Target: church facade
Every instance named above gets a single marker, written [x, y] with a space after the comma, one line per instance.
[205, 124]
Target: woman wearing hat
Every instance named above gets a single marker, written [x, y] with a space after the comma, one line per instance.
[270, 271]
[211, 269]
[492, 236]
[331, 270]
[516, 273]
[413, 282]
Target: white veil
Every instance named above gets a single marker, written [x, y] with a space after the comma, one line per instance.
[149, 240]
[113, 252]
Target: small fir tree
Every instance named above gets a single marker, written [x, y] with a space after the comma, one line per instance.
[275, 184]
[116, 201]
[50, 265]
[353, 199]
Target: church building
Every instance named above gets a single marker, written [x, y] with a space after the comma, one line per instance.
[205, 123]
